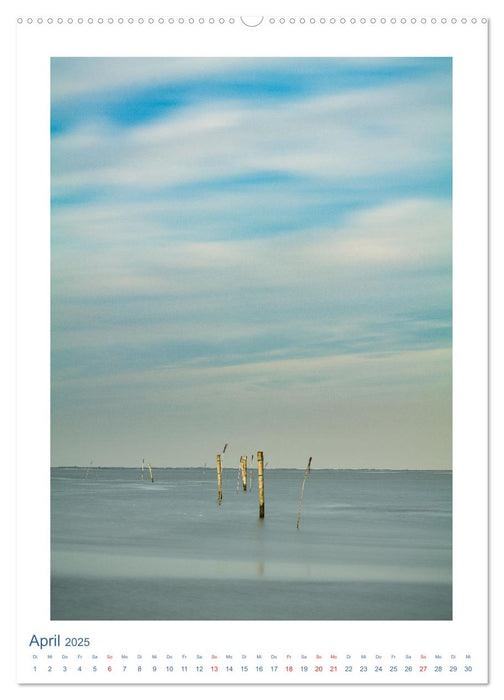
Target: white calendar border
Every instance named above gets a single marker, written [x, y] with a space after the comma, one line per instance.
[469, 329]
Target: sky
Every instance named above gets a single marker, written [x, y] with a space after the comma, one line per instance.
[251, 251]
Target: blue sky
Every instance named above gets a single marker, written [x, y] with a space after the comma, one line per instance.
[252, 251]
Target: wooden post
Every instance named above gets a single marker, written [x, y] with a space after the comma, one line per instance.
[260, 479]
[150, 472]
[244, 472]
[307, 471]
[219, 478]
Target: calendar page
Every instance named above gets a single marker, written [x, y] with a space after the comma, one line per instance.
[252, 348]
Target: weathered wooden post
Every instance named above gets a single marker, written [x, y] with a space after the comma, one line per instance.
[219, 479]
[244, 472]
[307, 471]
[150, 472]
[260, 479]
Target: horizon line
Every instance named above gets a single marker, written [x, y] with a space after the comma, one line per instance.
[381, 469]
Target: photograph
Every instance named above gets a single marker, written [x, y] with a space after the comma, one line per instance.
[251, 338]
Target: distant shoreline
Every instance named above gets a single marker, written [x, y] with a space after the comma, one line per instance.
[319, 469]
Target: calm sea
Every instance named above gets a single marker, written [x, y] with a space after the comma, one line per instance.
[371, 545]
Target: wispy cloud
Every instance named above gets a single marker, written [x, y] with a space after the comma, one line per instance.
[366, 133]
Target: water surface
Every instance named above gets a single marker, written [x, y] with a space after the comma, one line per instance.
[371, 545]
